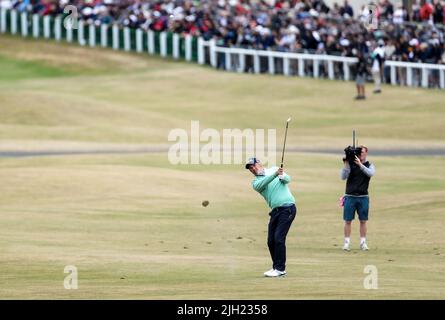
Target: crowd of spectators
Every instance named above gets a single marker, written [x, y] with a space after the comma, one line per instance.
[285, 25]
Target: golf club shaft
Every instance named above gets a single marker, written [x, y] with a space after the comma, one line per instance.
[284, 145]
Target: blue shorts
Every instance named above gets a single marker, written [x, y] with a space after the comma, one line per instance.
[353, 204]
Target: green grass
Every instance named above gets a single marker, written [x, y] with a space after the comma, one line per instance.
[134, 226]
[13, 70]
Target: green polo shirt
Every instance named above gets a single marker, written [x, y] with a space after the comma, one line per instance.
[275, 191]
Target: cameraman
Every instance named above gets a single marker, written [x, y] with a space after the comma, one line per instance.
[358, 175]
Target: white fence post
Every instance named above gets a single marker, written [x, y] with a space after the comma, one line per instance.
[92, 35]
[424, 77]
[151, 41]
[13, 21]
[115, 32]
[35, 25]
[163, 43]
[228, 60]
[24, 24]
[301, 67]
[346, 71]
[213, 55]
[103, 35]
[139, 41]
[271, 63]
[256, 63]
[188, 47]
[127, 40]
[69, 35]
[2, 20]
[81, 33]
[242, 62]
[409, 76]
[316, 70]
[201, 57]
[176, 45]
[58, 28]
[393, 75]
[286, 68]
[46, 27]
[331, 69]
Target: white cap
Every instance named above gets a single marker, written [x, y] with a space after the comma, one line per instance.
[414, 42]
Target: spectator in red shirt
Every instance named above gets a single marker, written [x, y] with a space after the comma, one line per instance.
[426, 11]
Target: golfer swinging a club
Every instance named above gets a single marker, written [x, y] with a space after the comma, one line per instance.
[272, 184]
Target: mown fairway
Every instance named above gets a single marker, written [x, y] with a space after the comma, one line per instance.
[133, 224]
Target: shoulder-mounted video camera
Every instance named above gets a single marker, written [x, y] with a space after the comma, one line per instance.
[352, 151]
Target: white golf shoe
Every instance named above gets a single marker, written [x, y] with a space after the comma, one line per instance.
[364, 246]
[267, 272]
[274, 273]
[346, 247]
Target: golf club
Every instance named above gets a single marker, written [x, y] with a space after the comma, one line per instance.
[284, 145]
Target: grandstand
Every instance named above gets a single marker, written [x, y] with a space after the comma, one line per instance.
[284, 37]
[309, 26]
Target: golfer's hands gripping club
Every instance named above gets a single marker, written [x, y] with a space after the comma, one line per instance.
[280, 173]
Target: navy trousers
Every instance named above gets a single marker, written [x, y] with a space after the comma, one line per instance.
[280, 221]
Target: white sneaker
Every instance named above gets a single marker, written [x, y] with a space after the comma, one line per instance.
[274, 273]
[267, 272]
[364, 246]
[346, 247]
